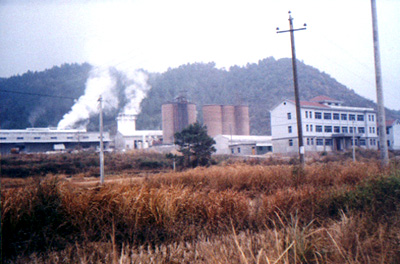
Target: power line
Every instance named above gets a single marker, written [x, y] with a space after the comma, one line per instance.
[37, 94]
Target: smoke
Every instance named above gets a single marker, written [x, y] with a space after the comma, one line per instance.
[106, 82]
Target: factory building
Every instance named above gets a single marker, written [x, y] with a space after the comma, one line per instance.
[226, 120]
[35, 140]
[175, 117]
[327, 126]
[128, 138]
[243, 145]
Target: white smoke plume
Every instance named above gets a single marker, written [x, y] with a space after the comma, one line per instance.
[102, 82]
[135, 92]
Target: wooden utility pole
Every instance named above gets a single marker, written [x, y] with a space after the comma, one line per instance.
[379, 91]
[296, 87]
[101, 142]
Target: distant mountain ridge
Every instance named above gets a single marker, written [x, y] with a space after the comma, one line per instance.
[260, 85]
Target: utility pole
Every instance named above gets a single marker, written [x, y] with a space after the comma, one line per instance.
[101, 142]
[379, 91]
[296, 87]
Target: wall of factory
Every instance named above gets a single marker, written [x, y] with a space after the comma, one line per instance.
[175, 117]
[226, 120]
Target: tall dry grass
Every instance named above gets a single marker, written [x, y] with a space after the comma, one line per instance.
[237, 213]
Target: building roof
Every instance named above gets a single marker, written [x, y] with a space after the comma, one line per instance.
[390, 123]
[323, 98]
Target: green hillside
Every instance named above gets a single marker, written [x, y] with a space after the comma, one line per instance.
[260, 85]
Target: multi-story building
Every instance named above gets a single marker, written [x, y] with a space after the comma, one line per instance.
[393, 134]
[327, 126]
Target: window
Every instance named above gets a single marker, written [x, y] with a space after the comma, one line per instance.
[336, 129]
[352, 117]
[307, 128]
[328, 129]
[36, 137]
[328, 116]
[318, 128]
[343, 116]
[3, 138]
[20, 138]
[290, 142]
[361, 130]
[318, 115]
[232, 151]
[289, 115]
[370, 142]
[306, 114]
[362, 142]
[290, 129]
[345, 130]
[356, 142]
[373, 130]
[351, 129]
[310, 114]
[320, 142]
[312, 141]
[53, 137]
[85, 137]
[373, 117]
[238, 150]
[387, 130]
[308, 141]
[369, 118]
[72, 137]
[360, 117]
[328, 142]
[388, 143]
[335, 116]
[311, 128]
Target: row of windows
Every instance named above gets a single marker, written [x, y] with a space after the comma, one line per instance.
[21, 138]
[335, 116]
[329, 142]
[335, 129]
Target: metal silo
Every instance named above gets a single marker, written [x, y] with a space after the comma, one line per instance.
[212, 118]
[242, 120]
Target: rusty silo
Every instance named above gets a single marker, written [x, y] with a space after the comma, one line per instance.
[242, 120]
[175, 117]
[167, 111]
[212, 118]
[228, 120]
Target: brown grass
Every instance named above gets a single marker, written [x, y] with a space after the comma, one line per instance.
[237, 213]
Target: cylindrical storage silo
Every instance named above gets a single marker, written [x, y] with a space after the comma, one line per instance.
[228, 120]
[167, 111]
[192, 115]
[212, 118]
[242, 120]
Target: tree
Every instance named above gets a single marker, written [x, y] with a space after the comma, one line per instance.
[195, 145]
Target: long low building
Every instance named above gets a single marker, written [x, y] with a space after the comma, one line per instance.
[243, 145]
[34, 140]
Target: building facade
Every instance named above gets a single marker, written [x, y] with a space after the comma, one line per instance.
[36, 140]
[393, 134]
[242, 145]
[326, 125]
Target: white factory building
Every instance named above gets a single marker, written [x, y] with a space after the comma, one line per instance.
[393, 134]
[128, 138]
[35, 140]
[242, 145]
[327, 126]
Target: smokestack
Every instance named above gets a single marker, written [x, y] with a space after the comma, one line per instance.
[126, 123]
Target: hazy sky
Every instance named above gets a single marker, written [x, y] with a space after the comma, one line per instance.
[158, 34]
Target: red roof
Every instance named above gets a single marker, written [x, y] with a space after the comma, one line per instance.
[389, 123]
[306, 103]
[322, 98]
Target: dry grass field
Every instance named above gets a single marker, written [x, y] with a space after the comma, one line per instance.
[333, 211]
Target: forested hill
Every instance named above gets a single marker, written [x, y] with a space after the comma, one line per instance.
[260, 85]
[24, 101]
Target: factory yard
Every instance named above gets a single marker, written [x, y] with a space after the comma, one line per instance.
[237, 211]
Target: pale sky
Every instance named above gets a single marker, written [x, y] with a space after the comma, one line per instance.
[158, 34]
